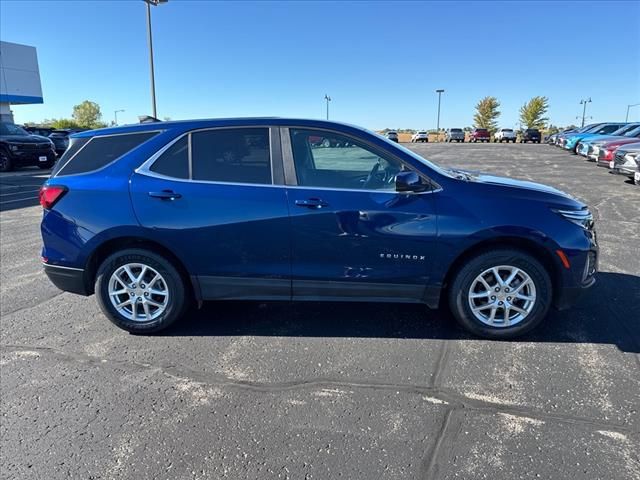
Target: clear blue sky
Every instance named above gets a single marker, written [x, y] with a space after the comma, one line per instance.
[380, 61]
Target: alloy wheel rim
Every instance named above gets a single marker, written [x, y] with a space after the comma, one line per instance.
[138, 292]
[502, 296]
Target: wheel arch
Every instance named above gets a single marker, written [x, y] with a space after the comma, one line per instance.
[526, 245]
[113, 245]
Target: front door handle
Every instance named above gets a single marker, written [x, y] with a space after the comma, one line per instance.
[165, 195]
[311, 203]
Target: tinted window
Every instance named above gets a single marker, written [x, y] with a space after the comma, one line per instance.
[11, 129]
[174, 162]
[101, 151]
[75, 144]
[329, 160]
[456, 130]
[608, 129]
[231, 155]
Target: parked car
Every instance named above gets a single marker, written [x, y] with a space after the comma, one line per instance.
[589, 147]
[551, 139]
[18, 148]
[627, 161]
[504, 134]
[604, 129]
[393, 135]
[530, 135]
[479, 135]
[607, 150]
[60, 139]
[421, 136]
[40, 131]
[196, 213]
[454, 134]
[561, 138]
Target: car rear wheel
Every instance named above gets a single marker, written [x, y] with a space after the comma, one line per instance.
[140, 291]
[500, 294]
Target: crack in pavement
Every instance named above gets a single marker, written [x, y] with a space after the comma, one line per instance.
[456, 400]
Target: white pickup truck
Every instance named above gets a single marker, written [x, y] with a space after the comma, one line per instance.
[504, 134]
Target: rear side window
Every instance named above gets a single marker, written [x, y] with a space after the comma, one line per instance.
[236, 155]
[75, 144]
[100, 151]
[174, 162]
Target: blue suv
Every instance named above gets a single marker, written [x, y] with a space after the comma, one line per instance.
[153, 218]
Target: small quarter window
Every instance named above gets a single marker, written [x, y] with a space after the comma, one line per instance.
[174, 162]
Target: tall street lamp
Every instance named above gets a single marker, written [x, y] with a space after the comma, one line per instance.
[584, 108]
[327, 99]
[439, 92]
[628, 107]
[115, 116]
[149, 3]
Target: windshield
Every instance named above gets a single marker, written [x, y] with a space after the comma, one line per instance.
[625, 129]
[633, 133]
[11, 129]
[422, 160]
[422, 133]
[507, 130]
[588, 128]
[456, 130]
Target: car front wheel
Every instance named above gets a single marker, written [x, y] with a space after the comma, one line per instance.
[6, 165]
[500, 294]
[140, 291]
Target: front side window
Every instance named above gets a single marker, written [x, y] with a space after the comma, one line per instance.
[329, 160]
[235, 155]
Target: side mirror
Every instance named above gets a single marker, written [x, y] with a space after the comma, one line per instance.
[409, 182]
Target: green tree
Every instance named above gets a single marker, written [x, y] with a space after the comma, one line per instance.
[87, 115]
[64, 123]
[532, 113]
[486, 113]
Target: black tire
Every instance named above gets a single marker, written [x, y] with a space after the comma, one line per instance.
[176, 305]
[462, 282]
[6, 165]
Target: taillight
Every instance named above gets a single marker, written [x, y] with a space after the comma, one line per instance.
[50, 194]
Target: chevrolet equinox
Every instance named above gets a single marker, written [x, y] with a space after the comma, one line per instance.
[158, 216]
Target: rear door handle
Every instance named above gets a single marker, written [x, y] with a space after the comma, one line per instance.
[311, 203]
[165, 195]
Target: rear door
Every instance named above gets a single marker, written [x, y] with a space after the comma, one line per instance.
[211, 196]
[352, 234]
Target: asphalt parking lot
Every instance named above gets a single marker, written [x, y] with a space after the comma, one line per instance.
[324, 391]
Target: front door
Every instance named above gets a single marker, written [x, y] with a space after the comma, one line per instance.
[209, 197]
[353, 235]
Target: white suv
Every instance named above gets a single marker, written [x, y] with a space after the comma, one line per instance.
[420, 136]
[504, 134]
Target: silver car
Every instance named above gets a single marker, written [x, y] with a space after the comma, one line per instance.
[392, 135]
[627, 161]
[452, 134]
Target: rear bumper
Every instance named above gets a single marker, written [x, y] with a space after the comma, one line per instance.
[67, 279]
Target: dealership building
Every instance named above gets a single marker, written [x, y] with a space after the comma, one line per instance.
[19, 78]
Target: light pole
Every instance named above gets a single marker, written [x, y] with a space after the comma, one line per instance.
[439, 92]
[149, 3]
[327, 99]
[115, 116]
[628, 107]
[584, 108]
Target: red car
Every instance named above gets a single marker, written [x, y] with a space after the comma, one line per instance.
[479, 135]
[607, 150]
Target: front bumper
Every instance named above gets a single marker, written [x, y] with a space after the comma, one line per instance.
[67, 279]
[28, 158]
[571, 292]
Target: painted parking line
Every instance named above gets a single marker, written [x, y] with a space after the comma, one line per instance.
[4, 202]
[18, 193]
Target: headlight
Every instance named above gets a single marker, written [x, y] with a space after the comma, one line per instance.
[582, 218]
[632, 157]
[13, 148]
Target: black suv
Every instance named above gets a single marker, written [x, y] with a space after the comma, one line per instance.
[531, 135]
[60, 139]
[20, 149]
